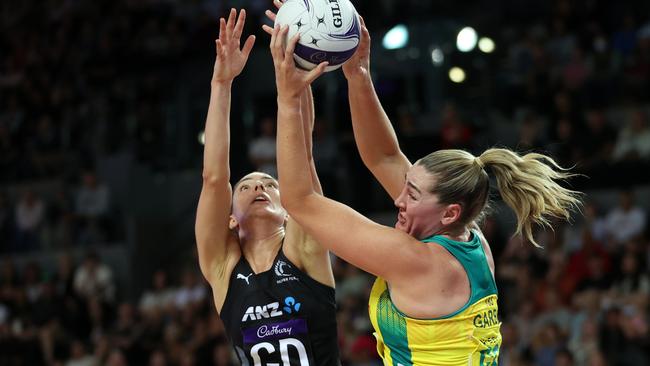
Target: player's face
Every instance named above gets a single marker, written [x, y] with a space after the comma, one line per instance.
[420, 214]
[257, 195]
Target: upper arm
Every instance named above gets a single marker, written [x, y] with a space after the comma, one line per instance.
[217, 245]
[360, 241]
[391, 172]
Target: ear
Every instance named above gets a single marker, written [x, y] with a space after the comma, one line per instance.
[452, 214]
[233, 223]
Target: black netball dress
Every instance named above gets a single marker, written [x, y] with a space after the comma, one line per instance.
[281, 317]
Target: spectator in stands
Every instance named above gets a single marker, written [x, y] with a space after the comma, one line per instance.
[94, 279]
[530, 138]
[159, 297]
[634, 140]
[633, 281]
[6, 222]
[92, 207]
[454, 132]
[626, 221]
[79, 355]
[8, 153]
[61, 220]
[191, 293]
[597, 139]
[30, 211]
[45, 147]
[261, 150]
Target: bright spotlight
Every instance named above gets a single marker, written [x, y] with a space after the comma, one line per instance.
[486, 45]
[456, 74]
[466, 40]
[202, 137]
[396, 38]
[437, 56]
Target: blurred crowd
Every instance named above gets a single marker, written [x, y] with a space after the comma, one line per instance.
[58, 217]
[582, 300]
[81, 80]
[75, 315]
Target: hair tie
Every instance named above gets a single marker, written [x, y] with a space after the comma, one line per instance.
[477, 161]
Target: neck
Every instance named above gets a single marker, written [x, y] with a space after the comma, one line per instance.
[456, 234]
[260, 246]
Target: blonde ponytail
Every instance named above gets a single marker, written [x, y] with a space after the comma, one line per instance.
[528, 185]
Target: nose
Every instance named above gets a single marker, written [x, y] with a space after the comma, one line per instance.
[259, 185]
[399, 201]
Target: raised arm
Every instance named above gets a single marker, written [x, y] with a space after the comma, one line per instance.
[308, 116]
[306, 108]
[302, 249]
[336, 226]
[373, 132]
[217, 246]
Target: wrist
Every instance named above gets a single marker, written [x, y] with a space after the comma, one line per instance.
[289, 100]
[359, 79]
[220, 83]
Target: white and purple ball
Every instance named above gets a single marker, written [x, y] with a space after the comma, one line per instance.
[329, 31]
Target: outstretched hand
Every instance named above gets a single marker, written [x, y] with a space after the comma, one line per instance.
[290, 80]
[359, 64]
[230, 58]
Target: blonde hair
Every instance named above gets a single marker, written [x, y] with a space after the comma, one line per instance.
[528, 184]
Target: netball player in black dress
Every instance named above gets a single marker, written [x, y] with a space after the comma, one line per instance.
[272, 284]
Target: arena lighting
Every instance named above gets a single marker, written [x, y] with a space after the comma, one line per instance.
[396, 38]
[456, 74]
[466, 39]
[202, 137]
[437, 56]
[486, 45]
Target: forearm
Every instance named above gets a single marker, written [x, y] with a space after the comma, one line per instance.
[217, 133]
[292, 155]
[373, 132]
[308, 116]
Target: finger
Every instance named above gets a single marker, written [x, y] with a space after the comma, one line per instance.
[230, 25]
[363, 22]
[316, 72]
[248, 46]
[288, 53]
[283, 38]
[274, 38]
[267, 29]
[365, 38]
[222, 29]
[280, 40]
[277, 3]
[239, 27]
[271, 15]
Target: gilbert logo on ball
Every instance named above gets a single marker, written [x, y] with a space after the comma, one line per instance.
[329, 31]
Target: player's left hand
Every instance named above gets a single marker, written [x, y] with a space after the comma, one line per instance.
[290, 80]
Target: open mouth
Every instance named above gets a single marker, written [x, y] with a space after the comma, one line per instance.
[261, 198]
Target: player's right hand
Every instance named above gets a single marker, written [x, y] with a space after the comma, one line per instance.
[358, 66]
